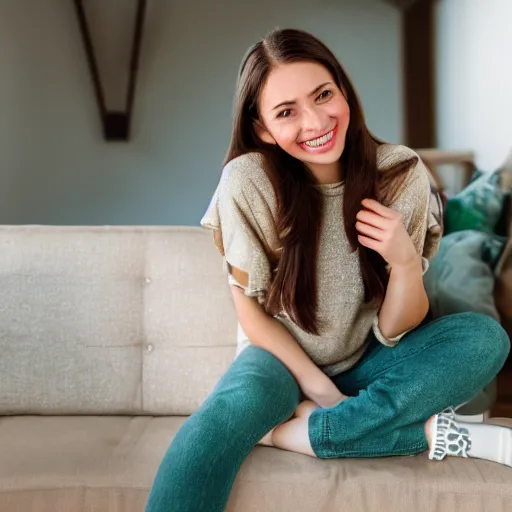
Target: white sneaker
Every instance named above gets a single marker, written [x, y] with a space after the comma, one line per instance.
[479, 440]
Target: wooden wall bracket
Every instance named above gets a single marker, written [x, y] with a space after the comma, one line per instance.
[116, 124]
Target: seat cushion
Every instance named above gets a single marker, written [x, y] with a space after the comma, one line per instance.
[80, 463]
[107, 464]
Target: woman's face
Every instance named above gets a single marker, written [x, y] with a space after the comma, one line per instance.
[303, 111]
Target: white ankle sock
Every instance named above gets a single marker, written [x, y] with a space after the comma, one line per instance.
[479, 440]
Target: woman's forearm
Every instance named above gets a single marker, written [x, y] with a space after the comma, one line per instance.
[406, 303]
[271, 335]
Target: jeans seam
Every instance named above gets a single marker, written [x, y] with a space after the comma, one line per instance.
[328, 431]
[415, 447]
[325, 441]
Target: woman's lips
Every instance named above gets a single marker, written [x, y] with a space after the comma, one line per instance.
[322, 148]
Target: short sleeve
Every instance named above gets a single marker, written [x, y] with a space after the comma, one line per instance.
[242, 217]
[414, 202]
[418, 204]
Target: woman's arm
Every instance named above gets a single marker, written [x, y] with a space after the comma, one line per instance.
[406, 303]
[270, 334]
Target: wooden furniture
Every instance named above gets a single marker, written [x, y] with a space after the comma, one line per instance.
[461, 160]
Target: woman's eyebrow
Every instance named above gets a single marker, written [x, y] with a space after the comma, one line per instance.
[292, 102]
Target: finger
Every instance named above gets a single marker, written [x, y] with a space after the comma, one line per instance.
[376, 207]
[369, 231]
[374, 219]
[369, 242]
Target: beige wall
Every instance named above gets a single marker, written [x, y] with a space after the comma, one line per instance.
[56, 169]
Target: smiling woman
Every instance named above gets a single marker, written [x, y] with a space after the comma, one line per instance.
[326, 232]
[312, 126]
[292, 92]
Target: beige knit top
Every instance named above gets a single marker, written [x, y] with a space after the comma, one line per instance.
[243, 212]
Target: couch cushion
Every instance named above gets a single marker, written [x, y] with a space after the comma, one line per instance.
[478, 206]
[81, 463]
[111, 320]
[459, 279]
[107, 464]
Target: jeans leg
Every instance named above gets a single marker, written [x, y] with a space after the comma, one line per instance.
[256, 394]
[442, 364]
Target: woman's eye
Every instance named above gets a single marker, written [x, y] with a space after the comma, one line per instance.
[325, 94]
[284, 113]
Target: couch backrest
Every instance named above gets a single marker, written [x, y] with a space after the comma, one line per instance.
[111, 320]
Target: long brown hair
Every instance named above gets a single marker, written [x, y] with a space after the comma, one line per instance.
[300, 205]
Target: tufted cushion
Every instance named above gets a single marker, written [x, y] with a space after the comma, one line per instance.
[111, 320]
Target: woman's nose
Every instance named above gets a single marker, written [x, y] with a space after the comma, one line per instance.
[312, 122]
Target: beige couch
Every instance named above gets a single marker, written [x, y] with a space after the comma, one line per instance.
[109, 337]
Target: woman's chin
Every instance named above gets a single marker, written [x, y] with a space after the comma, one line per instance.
[322, 159]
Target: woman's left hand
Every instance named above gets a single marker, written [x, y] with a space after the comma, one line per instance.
[382, 229]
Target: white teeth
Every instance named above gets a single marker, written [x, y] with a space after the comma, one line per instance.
[321, 140]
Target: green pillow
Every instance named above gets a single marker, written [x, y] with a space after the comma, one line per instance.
[478, 206]
[460, 276]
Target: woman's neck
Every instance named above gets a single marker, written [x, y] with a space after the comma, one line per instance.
[327, 174]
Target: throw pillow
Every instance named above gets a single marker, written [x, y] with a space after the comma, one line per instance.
[459, 279]
[478, 206]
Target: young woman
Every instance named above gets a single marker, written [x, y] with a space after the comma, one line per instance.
[325, 234]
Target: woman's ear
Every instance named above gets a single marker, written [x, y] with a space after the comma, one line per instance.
[263, 133]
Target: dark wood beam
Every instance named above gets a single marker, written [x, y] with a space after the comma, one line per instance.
[419, 74]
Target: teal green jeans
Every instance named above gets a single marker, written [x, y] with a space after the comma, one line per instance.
[393, 391]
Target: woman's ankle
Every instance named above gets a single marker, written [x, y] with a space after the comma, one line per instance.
[266, 440]
[428, 431]
[293, 436]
